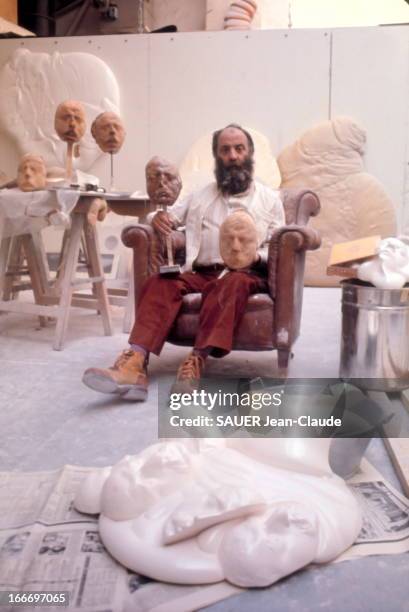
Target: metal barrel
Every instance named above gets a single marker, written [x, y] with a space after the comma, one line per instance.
[375, 336]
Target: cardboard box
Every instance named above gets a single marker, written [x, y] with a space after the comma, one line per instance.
[345, 271]
[354, 251]
[345, 254]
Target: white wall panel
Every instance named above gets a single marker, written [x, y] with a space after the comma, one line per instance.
[370, 71]
[275, 82]
[176, 87]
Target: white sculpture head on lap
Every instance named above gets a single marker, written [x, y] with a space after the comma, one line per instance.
[238, 240]
[200, 511]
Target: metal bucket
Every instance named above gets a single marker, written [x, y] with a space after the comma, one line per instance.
[375, 336]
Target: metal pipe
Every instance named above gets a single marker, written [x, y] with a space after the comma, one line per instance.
[78, 17]
[140, 17]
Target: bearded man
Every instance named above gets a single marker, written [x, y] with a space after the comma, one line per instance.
[224, 292]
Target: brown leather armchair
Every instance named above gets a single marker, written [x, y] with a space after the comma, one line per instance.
[271, 320]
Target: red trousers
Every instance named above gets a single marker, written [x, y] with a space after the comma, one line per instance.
[223, 304]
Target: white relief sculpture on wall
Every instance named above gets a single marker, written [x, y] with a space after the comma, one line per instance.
[196, 511]
[33, 84]
[329, 159]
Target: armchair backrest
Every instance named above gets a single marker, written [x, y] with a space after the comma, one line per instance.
[299, 205]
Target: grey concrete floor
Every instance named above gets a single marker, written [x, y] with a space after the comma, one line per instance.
[48, 419]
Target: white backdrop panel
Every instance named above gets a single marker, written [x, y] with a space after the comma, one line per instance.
[370, 70]
[174, 88]
[274, 81]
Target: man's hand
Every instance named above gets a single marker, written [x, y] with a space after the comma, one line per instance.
[162, 223]
[97, 211]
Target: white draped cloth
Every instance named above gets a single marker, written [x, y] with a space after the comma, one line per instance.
[27, 211]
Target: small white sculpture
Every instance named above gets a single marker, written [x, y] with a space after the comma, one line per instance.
[240, 14]
[70, 125]
[31, 173]
[200, 511]
[109, 133]
[389, 269]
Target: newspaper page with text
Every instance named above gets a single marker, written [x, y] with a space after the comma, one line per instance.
[46, 545]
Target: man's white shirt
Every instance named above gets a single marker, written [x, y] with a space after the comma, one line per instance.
[202, 212]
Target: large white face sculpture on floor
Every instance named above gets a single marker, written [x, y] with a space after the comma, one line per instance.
[33, 84]
[246, 510]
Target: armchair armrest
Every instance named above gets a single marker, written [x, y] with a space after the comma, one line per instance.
[142, 239]
[286, 260]
[284, 243]
[149, 250]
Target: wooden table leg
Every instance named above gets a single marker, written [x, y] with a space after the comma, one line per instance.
[67, 273]
[14, 266]
[99, 288]
[4, 254]
[42, 263]
[35, 265]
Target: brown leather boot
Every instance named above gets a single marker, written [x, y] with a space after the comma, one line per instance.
[127, 377]
[188, 375]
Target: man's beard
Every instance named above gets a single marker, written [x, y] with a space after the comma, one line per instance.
[234, 178]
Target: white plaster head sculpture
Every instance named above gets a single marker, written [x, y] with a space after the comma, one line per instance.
[163, 182]
[31, 173]
[27, 109]
[69, 121]
[389, 269]
[198, 511]
[108, 131]
[238, 240]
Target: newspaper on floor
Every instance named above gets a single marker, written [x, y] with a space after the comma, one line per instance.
[385, 528]
[46, 545]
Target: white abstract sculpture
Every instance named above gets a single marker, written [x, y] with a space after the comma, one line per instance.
[27, 109]
[200, 511]
[389, 269]
[329, 159]
[240, 14]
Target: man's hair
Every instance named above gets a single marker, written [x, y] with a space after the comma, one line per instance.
[216, 135]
